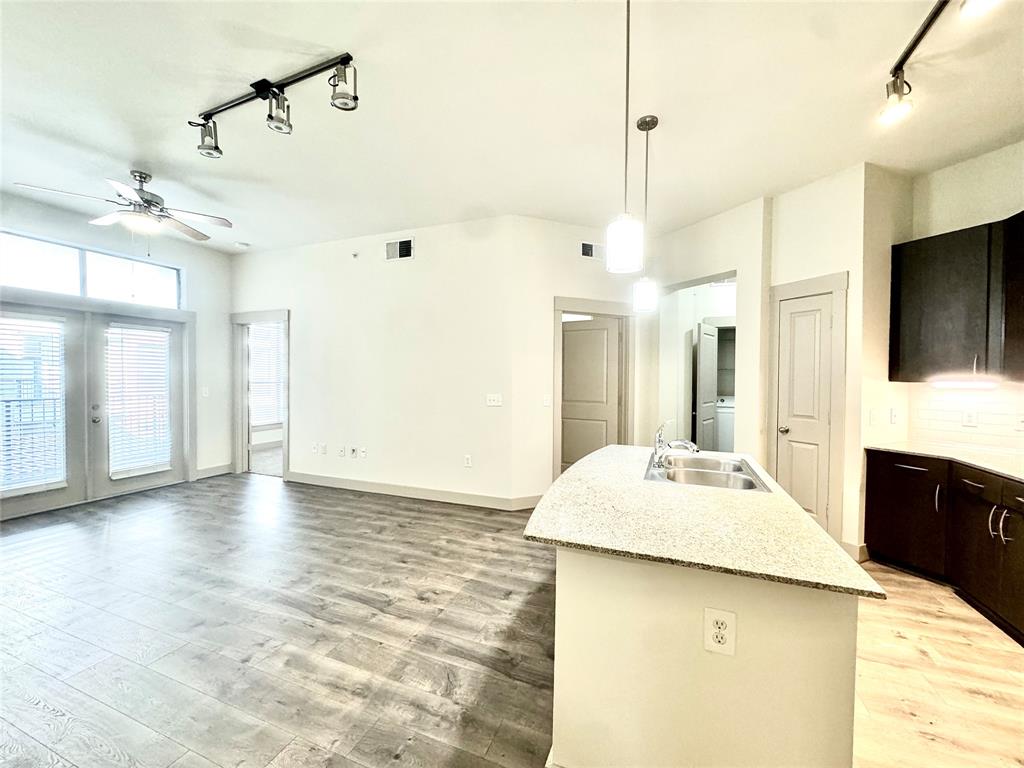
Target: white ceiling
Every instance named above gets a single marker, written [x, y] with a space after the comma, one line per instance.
[474, 109]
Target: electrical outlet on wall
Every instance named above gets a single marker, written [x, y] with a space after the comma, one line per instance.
[467, 461]
[362, 453]
[323, 449]
[341, 452]
[493, 400]
[720, 631]
[316, 448]
[970, 419]
[1018, 423]
[353, 453]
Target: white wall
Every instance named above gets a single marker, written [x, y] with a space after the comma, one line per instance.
[397, 357]
[986, 188]
[736, 240]
[206, 288]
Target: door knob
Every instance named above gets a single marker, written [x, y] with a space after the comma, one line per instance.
[783, 430]
[96, 419]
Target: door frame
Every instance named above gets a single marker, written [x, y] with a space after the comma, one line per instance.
[25, 298]
[617, 309]
[836, 284]
[239, 388]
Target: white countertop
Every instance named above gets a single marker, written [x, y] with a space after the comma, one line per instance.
[603, 503]
[1003, 462]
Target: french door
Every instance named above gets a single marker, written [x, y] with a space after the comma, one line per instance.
[91, 405]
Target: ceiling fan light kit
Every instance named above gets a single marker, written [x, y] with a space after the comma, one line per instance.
[279, 111]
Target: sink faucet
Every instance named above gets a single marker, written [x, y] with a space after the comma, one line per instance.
[661, 447]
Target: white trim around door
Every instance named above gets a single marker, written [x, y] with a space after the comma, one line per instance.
[836, 285]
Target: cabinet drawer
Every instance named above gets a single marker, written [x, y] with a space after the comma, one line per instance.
[1013, 495]
[975, 482]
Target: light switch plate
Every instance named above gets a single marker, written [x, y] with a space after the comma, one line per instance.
[204, 392]
[494, 401]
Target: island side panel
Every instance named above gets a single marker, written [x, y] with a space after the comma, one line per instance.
[634, 685]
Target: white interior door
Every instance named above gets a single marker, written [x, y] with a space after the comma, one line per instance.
[135, 404]
[805, 365]
[590, 386]
[706, 398]
[42, 409]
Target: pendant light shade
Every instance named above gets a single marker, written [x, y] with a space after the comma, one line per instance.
[645, 295]
[624, 245]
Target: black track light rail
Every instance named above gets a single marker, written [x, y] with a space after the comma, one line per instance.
[926, 25]
[262, 89]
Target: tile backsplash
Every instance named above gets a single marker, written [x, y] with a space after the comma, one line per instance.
[983, 418]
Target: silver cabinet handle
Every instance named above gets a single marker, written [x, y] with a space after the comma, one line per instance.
[910, 466]
[973, 485]
[992, 512]
[783, 430]
[1002, 518]
[1018, 498]
[938, 487]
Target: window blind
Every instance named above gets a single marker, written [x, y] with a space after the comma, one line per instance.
[138, 400]
[32, 421]
[266, 374]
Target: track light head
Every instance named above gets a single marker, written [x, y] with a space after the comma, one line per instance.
[208, 146]
[279, 113]
[897, 103]
[343, 88]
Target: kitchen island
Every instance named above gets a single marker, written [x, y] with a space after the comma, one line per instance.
[644, 675]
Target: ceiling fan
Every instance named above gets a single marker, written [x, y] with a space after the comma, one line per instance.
[141, 210]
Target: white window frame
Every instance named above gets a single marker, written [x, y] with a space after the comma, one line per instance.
[83, 278]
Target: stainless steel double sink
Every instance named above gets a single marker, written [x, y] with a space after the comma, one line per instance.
[690, 469]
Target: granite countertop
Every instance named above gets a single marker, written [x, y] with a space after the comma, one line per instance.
[1003, 462]
[603, 503]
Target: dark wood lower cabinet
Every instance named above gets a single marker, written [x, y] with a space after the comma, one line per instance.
[953, 522]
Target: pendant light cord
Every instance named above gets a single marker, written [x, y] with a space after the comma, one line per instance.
[647, 155]
[625, 170]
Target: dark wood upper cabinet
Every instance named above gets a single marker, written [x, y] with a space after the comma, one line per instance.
[957, 303]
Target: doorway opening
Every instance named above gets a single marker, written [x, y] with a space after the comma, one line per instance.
[261, 428]
[593, 365]
[697, 363]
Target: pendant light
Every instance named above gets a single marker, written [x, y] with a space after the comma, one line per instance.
[624, 240]
[645, 290]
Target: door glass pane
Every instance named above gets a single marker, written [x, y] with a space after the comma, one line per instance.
[138, 400]
[38, 265]
[136, 282]
[266, 374]
[32, 420]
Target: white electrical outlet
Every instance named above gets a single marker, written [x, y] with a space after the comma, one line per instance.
[323, 449]
[362, 453]
[353, 453]
[467, 461]
[204, 392]
[547, 401]
[493, 401]
[720, 631]
[341, 452]
[970, 419]
[1019, 423]
[893, 416]
[316, 448]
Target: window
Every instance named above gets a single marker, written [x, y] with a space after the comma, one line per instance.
[136, 282]
[38, 265]
[42, 266]
[138, 400]
[266, 374]
[32, 447]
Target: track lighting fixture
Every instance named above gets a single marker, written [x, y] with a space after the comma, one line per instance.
[897, 103]
[208, 146]
[279, 113]
[343, 88]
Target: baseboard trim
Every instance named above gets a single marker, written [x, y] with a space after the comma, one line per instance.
[858, 552]
[506, 504]
[222, 469]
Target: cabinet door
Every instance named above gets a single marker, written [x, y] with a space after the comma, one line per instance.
[939, 305]
[905, 510]
[975, 550]
[1011, 575]
[1006, 329]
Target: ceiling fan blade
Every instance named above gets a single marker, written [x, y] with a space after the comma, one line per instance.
[184, 228]
[217, 220]
[128, 193]
[69, 194]
[107, 219]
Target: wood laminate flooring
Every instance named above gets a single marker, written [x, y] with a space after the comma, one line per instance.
[242, 622]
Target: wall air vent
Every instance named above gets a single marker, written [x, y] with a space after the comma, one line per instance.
[587, 250]
[398, 249]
